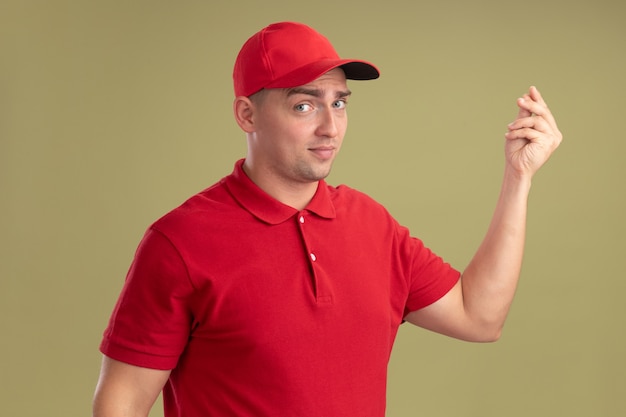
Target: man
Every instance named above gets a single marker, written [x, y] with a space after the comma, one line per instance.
[272, 293]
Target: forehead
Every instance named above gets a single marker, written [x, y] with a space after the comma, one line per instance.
[334, 76]
[333, 83]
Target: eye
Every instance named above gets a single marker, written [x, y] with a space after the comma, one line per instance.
[340, 104]
[303, 107]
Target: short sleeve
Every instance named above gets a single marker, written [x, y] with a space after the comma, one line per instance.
[151, 322]
[428, 277]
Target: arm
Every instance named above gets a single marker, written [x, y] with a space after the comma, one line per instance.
[476, 308]
[125, 390]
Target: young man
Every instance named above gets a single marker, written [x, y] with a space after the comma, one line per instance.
[272, 293]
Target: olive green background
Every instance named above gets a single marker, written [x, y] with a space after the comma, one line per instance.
[113, 112]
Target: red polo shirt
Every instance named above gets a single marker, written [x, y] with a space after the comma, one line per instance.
[263, 310]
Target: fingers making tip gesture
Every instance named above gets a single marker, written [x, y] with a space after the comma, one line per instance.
[533, 136]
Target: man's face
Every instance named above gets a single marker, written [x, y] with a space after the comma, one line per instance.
[299, 131]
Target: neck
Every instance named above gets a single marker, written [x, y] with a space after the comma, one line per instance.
[293, 194]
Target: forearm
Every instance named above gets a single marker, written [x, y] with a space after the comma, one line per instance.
[476, 307]
[490, 279]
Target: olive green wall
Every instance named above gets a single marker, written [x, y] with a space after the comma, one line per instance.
[113, 112]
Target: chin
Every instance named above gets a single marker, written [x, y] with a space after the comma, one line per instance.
[314, 172]
[323, 173]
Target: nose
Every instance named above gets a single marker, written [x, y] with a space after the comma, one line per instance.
[327, 126]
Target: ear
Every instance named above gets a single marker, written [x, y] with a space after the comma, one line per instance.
[244, 111]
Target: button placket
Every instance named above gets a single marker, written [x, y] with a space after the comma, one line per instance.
[302, 220]
[319, 281]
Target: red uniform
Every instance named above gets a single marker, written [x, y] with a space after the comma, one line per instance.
[263, 310]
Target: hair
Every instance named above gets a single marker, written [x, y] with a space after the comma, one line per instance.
[258, 97]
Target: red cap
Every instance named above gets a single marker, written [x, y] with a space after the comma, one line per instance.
[288, 54]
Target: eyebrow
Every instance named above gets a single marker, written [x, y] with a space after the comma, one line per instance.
[315, 92]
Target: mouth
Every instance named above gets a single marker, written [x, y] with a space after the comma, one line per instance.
[323, 152]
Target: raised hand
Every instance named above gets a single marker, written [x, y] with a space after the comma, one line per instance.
[533, 136]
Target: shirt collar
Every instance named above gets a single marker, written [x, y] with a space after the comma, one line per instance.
[268, 209]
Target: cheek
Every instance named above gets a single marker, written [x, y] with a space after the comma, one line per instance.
[283, 139]
[342, 127]
[292, 132]
[344, 124]
[272, 131]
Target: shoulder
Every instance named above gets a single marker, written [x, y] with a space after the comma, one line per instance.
[198, 211]
[345, 197]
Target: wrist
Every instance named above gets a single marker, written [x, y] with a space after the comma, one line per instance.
[514, 180]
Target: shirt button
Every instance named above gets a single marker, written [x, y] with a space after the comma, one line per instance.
[313, 257]
[301, 219]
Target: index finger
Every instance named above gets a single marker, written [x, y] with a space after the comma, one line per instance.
[534, 93]
[536, 104]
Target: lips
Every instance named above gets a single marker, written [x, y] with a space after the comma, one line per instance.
[323, 152]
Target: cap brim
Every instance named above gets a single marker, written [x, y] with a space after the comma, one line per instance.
[360, 70]
[354, 70]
